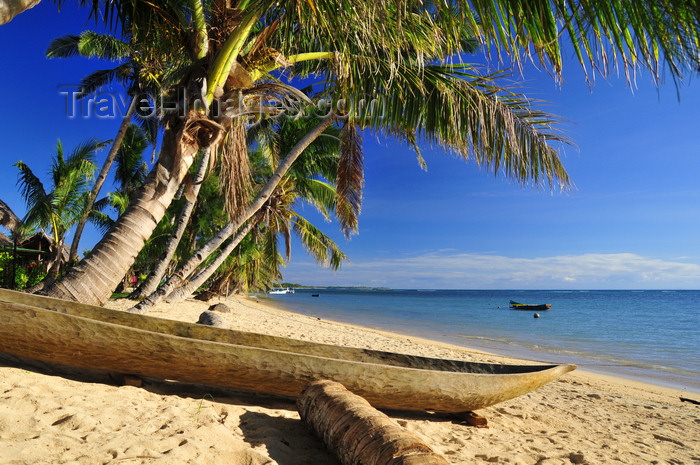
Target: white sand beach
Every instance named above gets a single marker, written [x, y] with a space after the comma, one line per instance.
[49, 417]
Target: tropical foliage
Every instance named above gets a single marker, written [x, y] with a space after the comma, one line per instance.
[393, 68]
[278, 218]
[19, 275]
[59, 207]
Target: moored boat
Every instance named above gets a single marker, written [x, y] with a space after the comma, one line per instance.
[79, 335]
[288, 290]
[518, 306]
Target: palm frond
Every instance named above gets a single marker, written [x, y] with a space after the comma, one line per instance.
[350, 178]
[100, 78]
[234, 177]
[119, 201]
[320, 194]
[37, 199]
[458, 109]
[63, 47]
[318, 245]
[101, 221]
[89, 44]
[131, 170]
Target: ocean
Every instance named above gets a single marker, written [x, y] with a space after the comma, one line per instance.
[650, 336]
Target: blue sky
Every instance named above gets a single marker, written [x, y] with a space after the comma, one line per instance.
[632, 221]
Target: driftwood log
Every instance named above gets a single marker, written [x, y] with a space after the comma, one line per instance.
[358, 433]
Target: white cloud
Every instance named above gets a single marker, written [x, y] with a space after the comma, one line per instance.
[448, 269]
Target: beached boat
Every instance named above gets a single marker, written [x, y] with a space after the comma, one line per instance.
[517, 306]
[79, 335]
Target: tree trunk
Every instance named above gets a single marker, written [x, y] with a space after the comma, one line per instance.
[151, 282]
[190, 285]
[358, 433]
[11, 8]
[214, 243]
[101, 179]
[56, 264]
[93, 279]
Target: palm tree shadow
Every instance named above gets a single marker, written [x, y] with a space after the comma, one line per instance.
[288, 441]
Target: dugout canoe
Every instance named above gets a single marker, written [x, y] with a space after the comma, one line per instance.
[85, 336]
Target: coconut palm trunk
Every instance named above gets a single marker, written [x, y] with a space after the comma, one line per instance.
[11, 8]
[94, 279]
[55, 267]
[192, 284]
[227, 231]
[151, 283]
[99, 182]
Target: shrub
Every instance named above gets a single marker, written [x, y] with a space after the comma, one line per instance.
[26, 275]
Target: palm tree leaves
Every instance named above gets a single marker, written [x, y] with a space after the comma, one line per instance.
[602, 33]
[321, 247]
[234, 176]
[131, 170]
[89, 44]
[457, 108]
[475, 117]
[36, 197]
[350, 178]
[57, 209]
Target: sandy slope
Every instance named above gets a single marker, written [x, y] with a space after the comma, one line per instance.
[82, 418]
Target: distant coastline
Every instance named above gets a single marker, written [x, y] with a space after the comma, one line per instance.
[340, 288]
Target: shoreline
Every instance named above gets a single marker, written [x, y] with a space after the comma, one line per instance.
[625, 370]
[590, 375]
[49, 418]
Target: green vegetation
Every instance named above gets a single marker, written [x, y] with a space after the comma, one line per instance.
[275, 96]
[18, 274]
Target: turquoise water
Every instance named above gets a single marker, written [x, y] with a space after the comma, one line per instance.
[652, 336]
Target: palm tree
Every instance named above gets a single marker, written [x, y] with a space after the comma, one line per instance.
[59, 208]
[139, 74]
[253, 262]
[129, 174]
[162, 263]
[393, 50]
[277, 216]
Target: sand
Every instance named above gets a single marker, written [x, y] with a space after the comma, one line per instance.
[57, 417]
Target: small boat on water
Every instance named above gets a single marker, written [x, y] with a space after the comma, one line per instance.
[518, 306]
[288, 290]
[85, 336]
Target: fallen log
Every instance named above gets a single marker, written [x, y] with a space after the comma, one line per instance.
[358, 433]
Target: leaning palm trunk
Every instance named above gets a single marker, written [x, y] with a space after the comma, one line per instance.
[151, 283]
[101, 179]
[227, 231]
[11, 8]
[95, 277]
[190, 285]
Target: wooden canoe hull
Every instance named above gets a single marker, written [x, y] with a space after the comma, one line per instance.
[50, 333]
